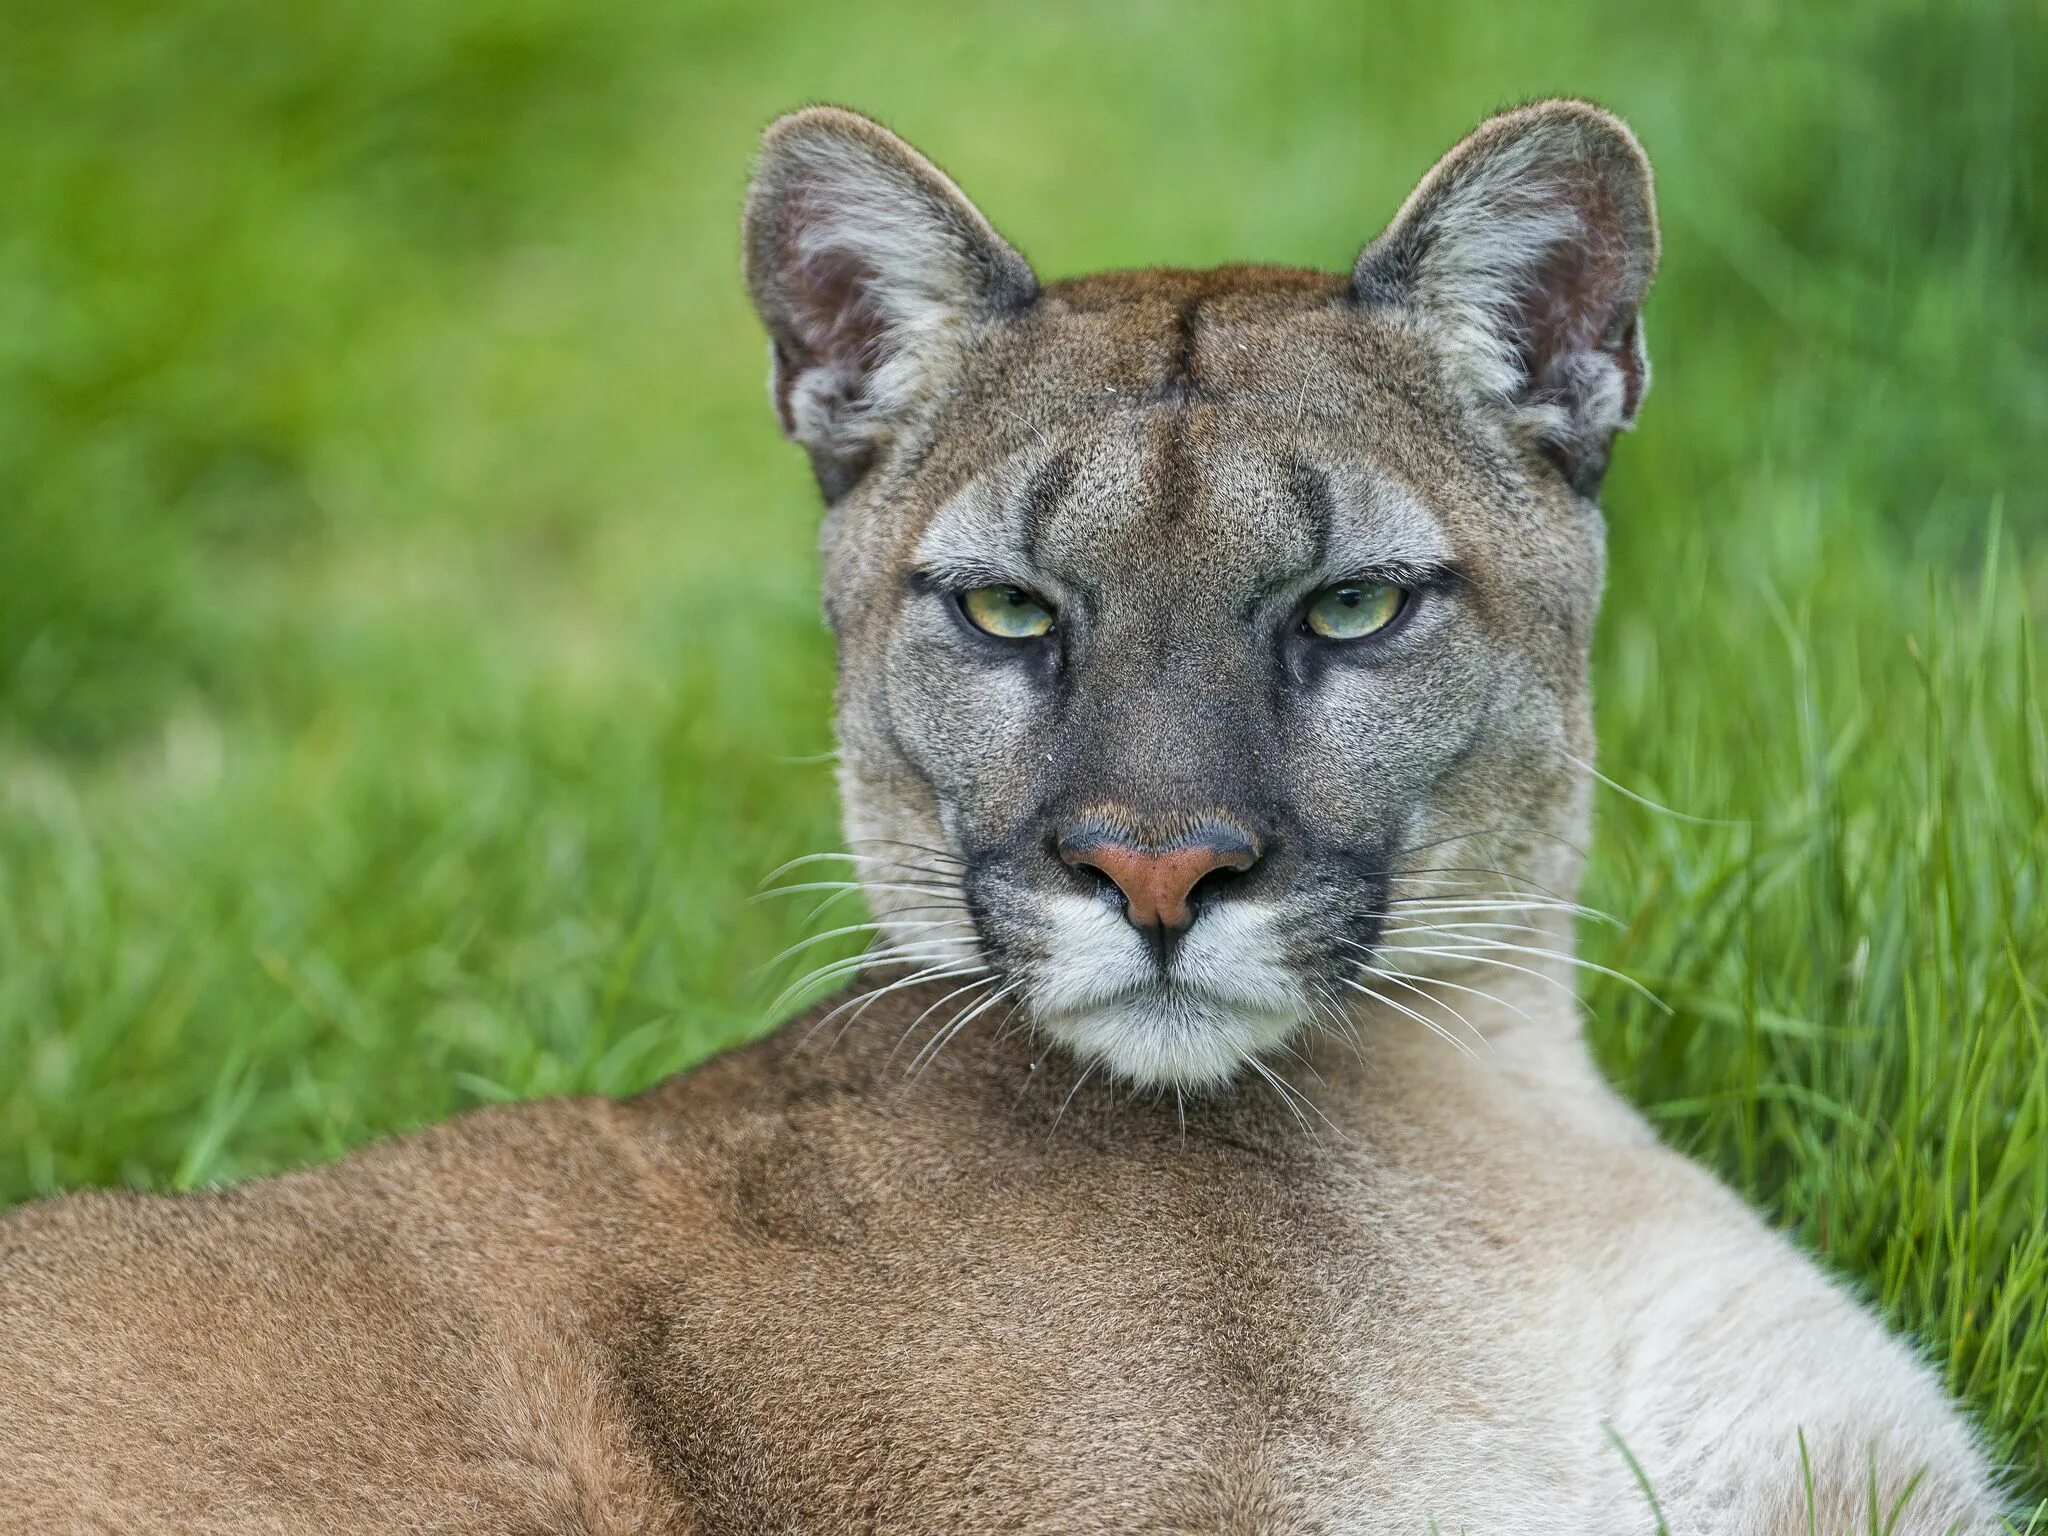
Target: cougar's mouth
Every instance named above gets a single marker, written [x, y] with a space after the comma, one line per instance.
[1226, 995]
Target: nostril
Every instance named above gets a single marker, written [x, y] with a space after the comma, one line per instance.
[1216, 885]
[1087, 872]
[1106, 889]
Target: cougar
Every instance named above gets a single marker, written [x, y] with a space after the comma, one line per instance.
[1207, 1142]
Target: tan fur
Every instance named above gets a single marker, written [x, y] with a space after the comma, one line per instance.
[873, 1274]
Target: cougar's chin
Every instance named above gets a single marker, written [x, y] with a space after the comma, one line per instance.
[1170, 1037]
[1228, 998]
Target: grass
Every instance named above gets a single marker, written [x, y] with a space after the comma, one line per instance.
[408, 653]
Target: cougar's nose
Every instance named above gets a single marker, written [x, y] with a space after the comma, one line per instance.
[1158, 882]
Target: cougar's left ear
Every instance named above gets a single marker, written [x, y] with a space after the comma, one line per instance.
[870, 269]
[1527, 251]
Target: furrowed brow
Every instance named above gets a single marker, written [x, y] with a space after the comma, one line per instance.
[990, 535]
[1382, 529]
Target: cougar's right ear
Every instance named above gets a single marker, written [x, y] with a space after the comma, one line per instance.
[869, 267]
[1527, 252]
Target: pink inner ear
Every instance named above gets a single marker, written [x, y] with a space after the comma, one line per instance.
[1572, 299]
[829, 292]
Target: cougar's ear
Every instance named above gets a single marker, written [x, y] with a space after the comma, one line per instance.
[869, 267]
[1527, 251]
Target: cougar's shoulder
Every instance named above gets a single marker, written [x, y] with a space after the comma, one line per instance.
[733, 1302]
[402, 1340]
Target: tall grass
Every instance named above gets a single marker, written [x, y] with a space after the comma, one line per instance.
[1856, 957]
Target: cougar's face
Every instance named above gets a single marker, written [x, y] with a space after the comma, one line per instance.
[1198, 632]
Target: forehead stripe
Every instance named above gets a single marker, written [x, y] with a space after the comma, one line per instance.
[1040, 498]
[1310, 488]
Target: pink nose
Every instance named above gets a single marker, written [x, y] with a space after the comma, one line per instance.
[1157, 882]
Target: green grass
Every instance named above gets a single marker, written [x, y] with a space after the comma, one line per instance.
[408, 662]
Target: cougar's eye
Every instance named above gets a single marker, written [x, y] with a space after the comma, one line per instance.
[1008, 613]
[1351, 610]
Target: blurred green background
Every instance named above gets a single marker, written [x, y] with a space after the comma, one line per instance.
[408, 653]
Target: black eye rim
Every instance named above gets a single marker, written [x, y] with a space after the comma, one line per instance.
[957, 601]
[1411, 599]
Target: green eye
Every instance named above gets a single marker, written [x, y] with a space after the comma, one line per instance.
[1008, 613]
[1354, 609]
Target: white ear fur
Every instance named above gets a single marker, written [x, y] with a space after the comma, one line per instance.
[866, 263]
[1526, 252]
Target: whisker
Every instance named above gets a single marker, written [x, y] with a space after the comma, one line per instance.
[1470, 955]
[1476, 959]
[1470, 949]
[863, 998]
[932, 1008]
[1341, 1024]
[827, 904]
[878, 954]
[1286, 1049]
[1402, 981]
[1427, 1023]
[875, 995]
[1013, 1023]
[845, 858]
[945, 1037]
[894, 912]
[1481, 872]
[1511, 902]
[837, 933]
[1510, 829]
[1292, 1097]
[853, 885]
[1086, 1072]
[1435, 981]
[1438, 874]
[894, 842]
[1644, 800]
[1457, 930]
[838, 970]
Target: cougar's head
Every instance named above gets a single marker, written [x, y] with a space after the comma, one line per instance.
[1200, 631]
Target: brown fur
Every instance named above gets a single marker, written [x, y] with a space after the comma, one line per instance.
[792, 1290]
[799, 1289]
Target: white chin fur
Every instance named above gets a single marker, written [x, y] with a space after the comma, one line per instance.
[1229, 998]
